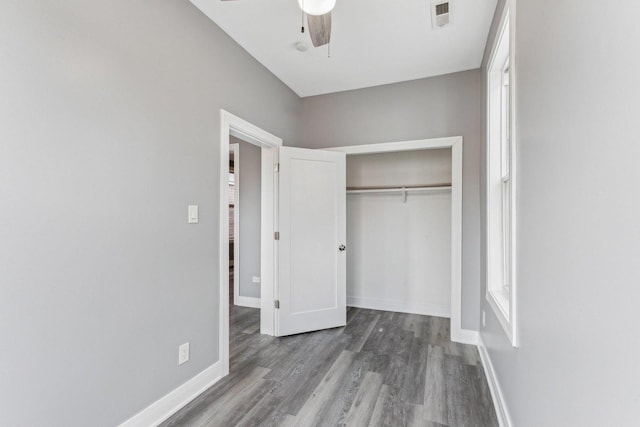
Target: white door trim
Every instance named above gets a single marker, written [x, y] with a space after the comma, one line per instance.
[234, 125]
[455, 143]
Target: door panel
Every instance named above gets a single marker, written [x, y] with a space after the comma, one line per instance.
[312, 225]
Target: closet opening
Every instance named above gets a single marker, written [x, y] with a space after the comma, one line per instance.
[404, 228]
[399, 231]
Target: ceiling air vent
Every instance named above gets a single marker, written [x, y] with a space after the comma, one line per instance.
[440, 14]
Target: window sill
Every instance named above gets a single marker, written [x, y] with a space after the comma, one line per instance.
[499, 302]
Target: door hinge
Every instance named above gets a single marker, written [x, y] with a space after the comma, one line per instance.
[276, 303]
[276, 235]
[276, 167]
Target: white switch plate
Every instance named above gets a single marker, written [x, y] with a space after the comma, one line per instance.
[193, 214]
[183, 353]
[483, 319]
[255, 279]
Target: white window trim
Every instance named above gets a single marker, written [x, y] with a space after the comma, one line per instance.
[501, 300]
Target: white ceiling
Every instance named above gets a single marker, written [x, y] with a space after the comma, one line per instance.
[373, 42]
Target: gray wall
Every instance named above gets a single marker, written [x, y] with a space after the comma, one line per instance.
[441, 106]
[249, 227]
[110, 128]
[578, 208]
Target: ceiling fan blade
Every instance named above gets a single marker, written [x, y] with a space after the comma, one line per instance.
[320, 29]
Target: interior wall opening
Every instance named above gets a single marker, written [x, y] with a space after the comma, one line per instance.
[244, 223]
[234, 126]
[245, 254]
[399, 231]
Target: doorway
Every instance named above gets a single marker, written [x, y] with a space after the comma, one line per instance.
[244, 223]
[235, 127]
[296, 185]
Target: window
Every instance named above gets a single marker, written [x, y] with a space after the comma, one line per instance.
[501, 182]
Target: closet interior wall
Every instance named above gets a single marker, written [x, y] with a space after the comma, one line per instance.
[399, 244]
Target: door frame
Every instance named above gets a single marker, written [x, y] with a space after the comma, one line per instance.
[455, 143]
[246, 131]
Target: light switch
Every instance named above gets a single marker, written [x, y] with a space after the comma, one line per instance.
[193, 214]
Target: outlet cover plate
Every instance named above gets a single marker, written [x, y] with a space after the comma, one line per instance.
[183, 353]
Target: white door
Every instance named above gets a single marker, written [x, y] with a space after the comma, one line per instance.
[312, 224]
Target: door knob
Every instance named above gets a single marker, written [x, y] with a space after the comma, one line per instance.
[342, 248]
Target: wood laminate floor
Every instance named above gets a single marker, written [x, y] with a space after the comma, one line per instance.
[381, 369]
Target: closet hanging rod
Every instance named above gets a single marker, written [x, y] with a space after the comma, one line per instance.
[405, 191]
[443, 186]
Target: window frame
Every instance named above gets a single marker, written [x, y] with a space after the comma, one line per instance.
[501, 179]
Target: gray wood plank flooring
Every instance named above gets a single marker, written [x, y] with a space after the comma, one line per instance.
[381, 369]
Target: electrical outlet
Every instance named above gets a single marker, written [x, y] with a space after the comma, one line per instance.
[255, 279]
[484, 322]
[183, 353]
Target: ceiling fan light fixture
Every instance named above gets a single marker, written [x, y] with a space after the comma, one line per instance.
[316, 7]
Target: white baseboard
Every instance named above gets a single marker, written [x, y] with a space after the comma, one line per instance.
[464, 336]
[171, 403]
[494, 386]
[247, 302]
[400, 306]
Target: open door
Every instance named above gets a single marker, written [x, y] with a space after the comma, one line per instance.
[311, 289]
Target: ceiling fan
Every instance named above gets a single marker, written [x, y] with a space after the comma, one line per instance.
[318, 19]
